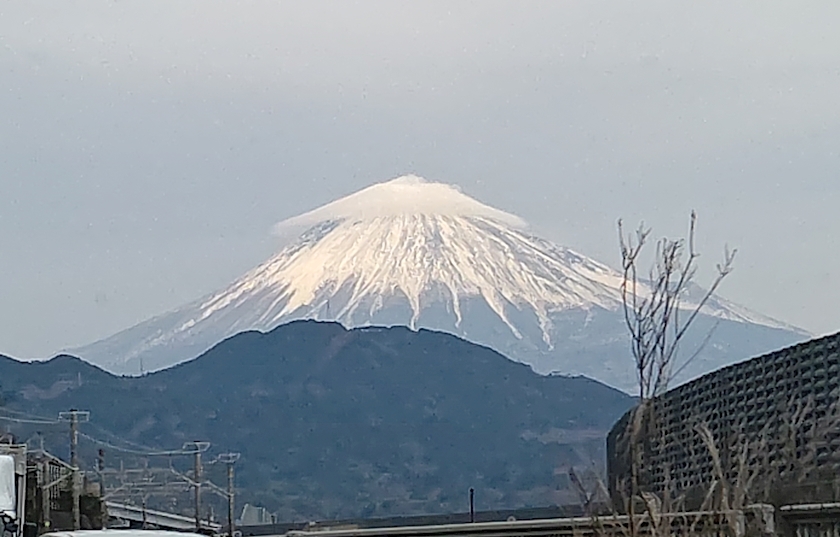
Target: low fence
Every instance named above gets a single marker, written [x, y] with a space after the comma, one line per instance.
[811, 520]
[807, 520]
[750, 523]
[134, 515]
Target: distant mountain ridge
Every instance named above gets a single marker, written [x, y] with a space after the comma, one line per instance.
[424, 255]
[345, 423]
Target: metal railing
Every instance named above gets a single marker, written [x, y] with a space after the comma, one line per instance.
[696, 524]
[160, 519]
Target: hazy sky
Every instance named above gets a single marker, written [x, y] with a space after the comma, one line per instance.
[147, 148]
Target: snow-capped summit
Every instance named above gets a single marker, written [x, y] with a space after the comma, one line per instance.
[420, 242]
[423, 254]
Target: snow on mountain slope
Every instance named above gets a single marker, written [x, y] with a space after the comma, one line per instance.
[422, 254]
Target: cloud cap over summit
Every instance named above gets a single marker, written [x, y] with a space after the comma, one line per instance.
[404, 195]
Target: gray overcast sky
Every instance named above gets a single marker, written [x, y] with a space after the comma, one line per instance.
[148, 147]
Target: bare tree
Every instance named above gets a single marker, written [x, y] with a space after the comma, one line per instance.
[654, 311]
[791, 454]
[657, 319]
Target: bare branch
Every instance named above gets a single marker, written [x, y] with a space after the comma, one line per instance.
[653, 308]
[657, 321]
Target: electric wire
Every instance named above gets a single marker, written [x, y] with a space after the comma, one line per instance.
[118, 439]
[24, 414]
[30, 421]
[148, 453]
[140, 450]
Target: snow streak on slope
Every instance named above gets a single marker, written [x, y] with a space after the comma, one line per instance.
[409, 237]
[392, 253]
[411, 255]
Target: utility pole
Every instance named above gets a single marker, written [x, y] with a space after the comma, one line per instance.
[43, 480]
[229, 459]
[100, 469]
[75, 417]
[197, 448]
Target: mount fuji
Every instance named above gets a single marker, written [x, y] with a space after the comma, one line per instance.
[424, 255]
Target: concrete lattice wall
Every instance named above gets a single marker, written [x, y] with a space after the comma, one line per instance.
[758, 401]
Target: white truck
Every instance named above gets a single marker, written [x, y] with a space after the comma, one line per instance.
[12, 489]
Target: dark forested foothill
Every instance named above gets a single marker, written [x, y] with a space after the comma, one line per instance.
[343, 423]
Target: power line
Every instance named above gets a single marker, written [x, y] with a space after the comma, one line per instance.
[149, 453]
[24, 414]
[117, 438]
[132, 487]
[31, 421]
[139, 449]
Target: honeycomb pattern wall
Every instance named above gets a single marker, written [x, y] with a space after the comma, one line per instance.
[784, 404]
